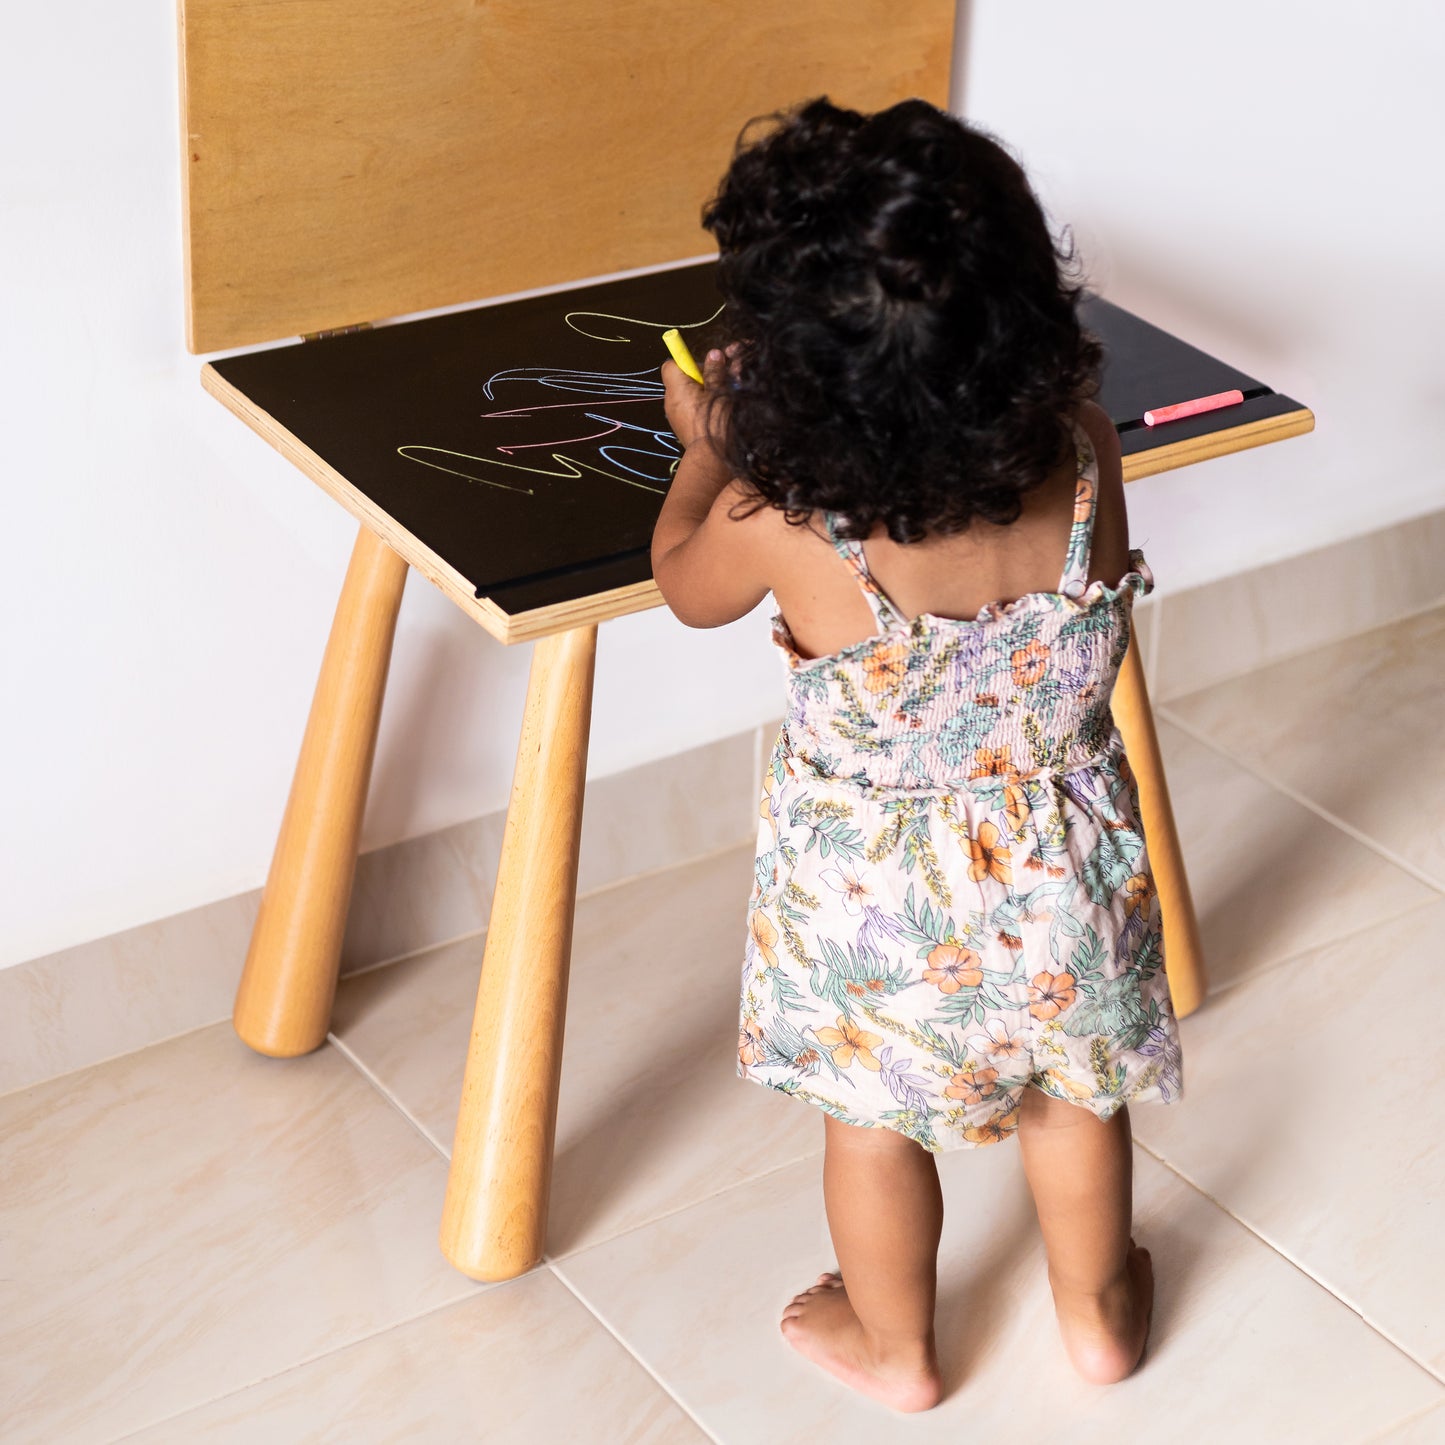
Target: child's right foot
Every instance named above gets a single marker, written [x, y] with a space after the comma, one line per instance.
[1104, 1333]
[822, 1326]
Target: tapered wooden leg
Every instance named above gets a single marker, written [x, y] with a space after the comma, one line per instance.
[494, 1222]
[1183, 956]
[283, 1005]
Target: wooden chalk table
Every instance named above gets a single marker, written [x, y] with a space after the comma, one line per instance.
[516, 455]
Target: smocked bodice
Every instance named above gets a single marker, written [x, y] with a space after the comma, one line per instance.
[938, 703]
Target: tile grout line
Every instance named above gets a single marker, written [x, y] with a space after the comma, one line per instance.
[1294, 795]
[630, 1352]
[1293, 654]
[381, 963]
[387, 1096]
[1296, 1264]
[553, 1259]
[601, 888]
[301, 1364]
[1294, 956]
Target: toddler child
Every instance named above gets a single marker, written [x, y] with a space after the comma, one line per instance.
[954, 934]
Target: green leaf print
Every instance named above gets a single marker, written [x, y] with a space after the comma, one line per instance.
[1148, 958]
[950, 1051]
[924, 924]
[1088, 958]
[853, 976]
[1093, 622]
[852, 721]
[1111, 1009]
[786, 994]
[827, 824]
[978, 1001]
[933, 670]
[784, 1045]
[1104, 871]
[810, 683]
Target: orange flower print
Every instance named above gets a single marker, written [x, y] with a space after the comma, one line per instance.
[1069, 1088]
[750, 1043]
[953, 968]
[1138, 890]
[996, 1040]
[884, 667]
[1050, 994]
[990, 855]
[996, 1129]
[974, 1086]
[1030, 663]
[993, 763]
[986, 699]
[1083, 496]
[1015, 806]
[848, 1042]
[765, 936]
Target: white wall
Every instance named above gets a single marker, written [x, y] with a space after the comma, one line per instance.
[1264, 180]
[169, 580]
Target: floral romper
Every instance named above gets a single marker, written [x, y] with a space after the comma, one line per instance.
[953, 897]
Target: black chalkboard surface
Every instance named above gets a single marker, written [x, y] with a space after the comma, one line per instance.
[525, 442]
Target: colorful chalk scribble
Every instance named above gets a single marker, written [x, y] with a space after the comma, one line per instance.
[604, 445]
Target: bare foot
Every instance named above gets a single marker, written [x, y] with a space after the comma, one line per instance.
[821, 1325]
[1104, 1333]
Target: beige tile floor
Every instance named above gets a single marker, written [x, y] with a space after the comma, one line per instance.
[198, 1244]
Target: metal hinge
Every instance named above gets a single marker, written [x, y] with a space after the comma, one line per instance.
[336, 331]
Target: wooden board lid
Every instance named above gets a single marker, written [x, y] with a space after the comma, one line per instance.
[351, 160]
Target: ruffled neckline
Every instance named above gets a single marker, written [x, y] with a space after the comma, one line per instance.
[1138, 579]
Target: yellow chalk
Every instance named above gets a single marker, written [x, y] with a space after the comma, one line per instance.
[680, 354]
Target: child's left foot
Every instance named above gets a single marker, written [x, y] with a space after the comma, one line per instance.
[821, 1325]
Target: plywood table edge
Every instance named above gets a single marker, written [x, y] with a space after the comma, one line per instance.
[518, 627]
[505, 627]
[1218, 444]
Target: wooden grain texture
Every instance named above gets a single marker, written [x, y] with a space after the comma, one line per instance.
[350, 160]
[283, 1004]
[494, 1221]
[1183, 953]
[1173, 455]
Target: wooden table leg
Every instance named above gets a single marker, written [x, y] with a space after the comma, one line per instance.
[283, 1004]
[494, 1222]
[1183, 956]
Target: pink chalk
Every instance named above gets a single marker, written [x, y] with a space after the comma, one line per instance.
[1192, 408]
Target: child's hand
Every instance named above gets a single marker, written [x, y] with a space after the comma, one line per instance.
[692, 409]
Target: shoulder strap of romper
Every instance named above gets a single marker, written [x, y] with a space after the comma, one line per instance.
[851, 551]
[1075, 578]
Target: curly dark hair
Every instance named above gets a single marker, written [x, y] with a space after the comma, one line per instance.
[908, 332]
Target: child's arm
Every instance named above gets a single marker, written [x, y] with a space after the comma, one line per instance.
[704, 560]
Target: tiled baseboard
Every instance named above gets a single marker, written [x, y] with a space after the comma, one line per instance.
[1240, 624]
[114, 995]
